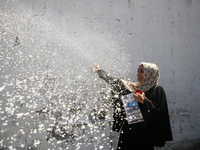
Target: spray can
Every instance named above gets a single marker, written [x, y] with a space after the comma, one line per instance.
[138, 91]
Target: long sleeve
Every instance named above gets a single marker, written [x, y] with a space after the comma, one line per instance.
[116, 83]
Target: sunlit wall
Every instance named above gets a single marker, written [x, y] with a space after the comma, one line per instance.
[48, 97]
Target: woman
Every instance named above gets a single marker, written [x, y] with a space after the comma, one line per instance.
[156, 129]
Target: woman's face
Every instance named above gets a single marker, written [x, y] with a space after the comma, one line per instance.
[140, 74]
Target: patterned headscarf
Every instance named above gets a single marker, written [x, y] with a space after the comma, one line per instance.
[151, 77]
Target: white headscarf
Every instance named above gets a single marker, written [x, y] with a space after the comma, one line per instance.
[151, 77]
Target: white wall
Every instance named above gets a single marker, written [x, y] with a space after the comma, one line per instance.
[47, 48]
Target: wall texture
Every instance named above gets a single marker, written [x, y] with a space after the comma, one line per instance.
[48, 97]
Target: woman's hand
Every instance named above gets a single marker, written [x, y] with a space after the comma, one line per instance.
[95, 68]
[139, 97]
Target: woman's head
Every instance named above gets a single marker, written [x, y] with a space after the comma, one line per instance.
[147, 75]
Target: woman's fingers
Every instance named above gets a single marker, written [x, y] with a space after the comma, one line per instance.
[139, 97]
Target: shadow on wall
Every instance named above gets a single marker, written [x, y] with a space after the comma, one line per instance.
[188, 145]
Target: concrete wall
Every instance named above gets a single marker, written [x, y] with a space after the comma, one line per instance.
[49, 98]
